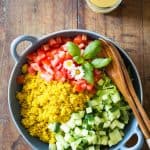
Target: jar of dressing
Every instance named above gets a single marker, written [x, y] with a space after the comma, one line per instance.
[103, 6]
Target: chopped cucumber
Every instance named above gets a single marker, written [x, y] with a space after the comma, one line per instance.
[89, 110]
[117, 123]
[84, 132]
[115, 137]
[68, 137]
[100, 124]
[104, 140]
[54, 127]
[91, 148]
[75, 144]
[52, 147]
[78, 122]
[65, 128]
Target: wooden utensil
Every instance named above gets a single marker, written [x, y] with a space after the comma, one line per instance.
[131, 90]
[118, 73]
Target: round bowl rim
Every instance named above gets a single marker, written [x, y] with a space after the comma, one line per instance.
[55, 34]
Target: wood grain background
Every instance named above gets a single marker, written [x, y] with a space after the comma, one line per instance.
[129, 25]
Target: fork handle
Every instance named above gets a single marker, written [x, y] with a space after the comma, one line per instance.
[133, 93]
[148, 143]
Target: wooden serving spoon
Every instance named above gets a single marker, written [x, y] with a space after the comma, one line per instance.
[118, 73]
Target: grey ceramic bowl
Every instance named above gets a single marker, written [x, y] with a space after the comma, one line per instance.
[14, 107]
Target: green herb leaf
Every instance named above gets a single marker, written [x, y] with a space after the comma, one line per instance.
[88, 72]
[73, 49]
[92, 49]
[78, 59]
[88, 66]
[100, 62]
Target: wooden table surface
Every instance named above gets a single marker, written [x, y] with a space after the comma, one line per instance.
[129, 25]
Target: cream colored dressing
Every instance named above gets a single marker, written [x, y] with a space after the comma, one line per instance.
[104, 3]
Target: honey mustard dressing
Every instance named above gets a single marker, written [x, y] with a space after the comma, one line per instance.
[104, 3]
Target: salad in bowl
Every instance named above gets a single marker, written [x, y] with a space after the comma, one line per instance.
[66, 99]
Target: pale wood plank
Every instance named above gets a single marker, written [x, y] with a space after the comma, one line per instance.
[30, 17]
[125, 26]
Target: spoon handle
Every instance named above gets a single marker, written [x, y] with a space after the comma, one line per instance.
[132, 92]
[123, 86]
[148, 143]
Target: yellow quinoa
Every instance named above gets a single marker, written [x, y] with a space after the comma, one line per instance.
[43, 103]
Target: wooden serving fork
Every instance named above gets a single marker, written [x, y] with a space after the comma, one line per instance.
[119, 75]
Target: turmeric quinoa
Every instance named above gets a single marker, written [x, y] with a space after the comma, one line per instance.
[45, 102]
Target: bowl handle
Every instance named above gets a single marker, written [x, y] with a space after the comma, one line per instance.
[17, 41]
[139, 143]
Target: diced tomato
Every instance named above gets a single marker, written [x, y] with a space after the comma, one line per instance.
[67, 56]
[55, 61]
[58, 40]
[31, 56]
[61, 54]
[46, 76]
[79, 88]
[31, 70]
[59, 76]
[54, 52]
[89, 87]
[52, 42]
[40, 56]
[46, 61]
[40, 52]
[77, 39]
[59, 66]
[81, 45]
[46, 47]
[84, 38]
[66, 39]
[48, 69]
[20, 79]
[97, 72]
[68, 74]
[80, 85]
[64, 48]
[35, 66]
[97, 75]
